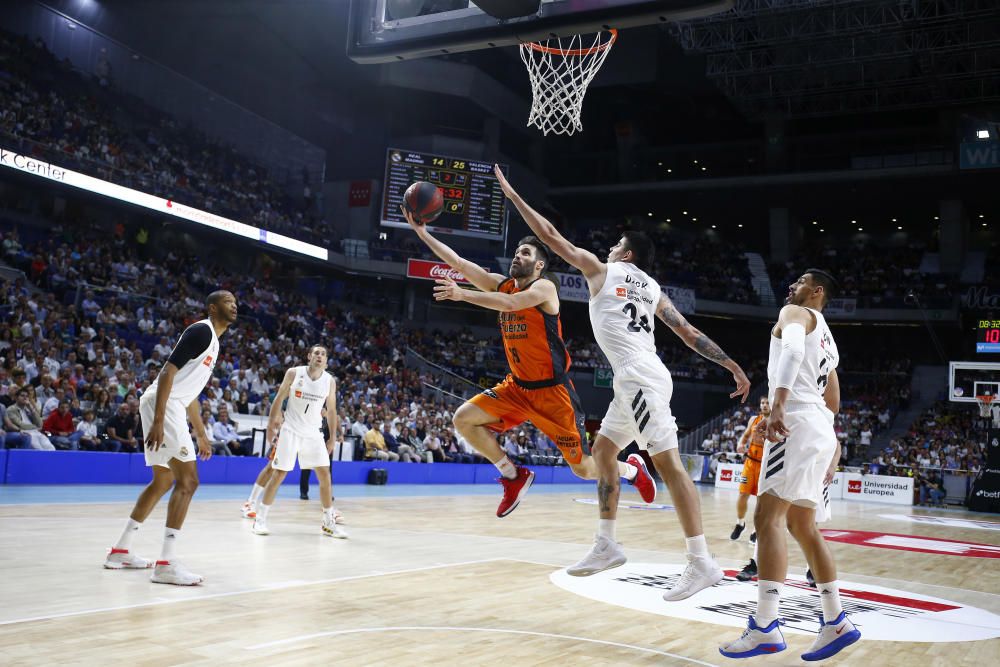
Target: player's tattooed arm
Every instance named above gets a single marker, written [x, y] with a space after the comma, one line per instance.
[707, 348]
[702, 344]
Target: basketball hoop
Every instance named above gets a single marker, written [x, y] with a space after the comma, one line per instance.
[560, 69]
[985, 404]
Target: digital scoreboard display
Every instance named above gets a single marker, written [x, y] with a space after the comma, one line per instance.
[474, 203]
[988, 336]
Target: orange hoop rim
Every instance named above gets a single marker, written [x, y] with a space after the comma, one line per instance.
[537, 46]
[986, 399]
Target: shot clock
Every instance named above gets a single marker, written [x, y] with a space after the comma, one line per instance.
[987, 335]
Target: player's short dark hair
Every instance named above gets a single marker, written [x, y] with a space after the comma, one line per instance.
[541, 250]
[216, 297]
[825, 280]
[313, 347]
[642, 247]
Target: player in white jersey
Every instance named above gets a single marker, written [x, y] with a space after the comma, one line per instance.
[165, 409]
[804, 392]
[624, 302]
[298, 429]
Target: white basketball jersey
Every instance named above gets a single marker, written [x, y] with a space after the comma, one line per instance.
[623, 314]
[820, 358]
[192, 377]
[306, 397]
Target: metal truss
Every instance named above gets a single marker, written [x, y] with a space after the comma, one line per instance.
[832, 56]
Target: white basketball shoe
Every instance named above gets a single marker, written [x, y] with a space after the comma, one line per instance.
[605, 554]
[333, 529]
[249, 510]
[122, 559]
[700, 573]
[172, 572]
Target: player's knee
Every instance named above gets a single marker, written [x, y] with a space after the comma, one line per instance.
[187, 484]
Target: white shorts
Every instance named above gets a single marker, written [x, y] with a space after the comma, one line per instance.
[823, 510]
[310, 451]
[793, 469]
[640, 410]
[177, 443]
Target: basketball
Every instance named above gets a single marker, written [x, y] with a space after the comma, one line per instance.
[424, 201]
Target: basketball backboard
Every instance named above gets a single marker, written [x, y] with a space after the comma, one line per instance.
[389, 30]
[968, 379]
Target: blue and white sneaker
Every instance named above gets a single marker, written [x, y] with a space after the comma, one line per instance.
[833, 637]
[756, 641]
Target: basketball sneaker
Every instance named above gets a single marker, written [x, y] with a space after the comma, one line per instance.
[756, 641]
[748, 572]
[172, 572]
[249, 510]
[810, 579]
[700, 573]
[753, 537]
[260, 527]
[605, 554]
[331, 529]
[643, 482]
[833, 637]
[121, 559]
[514, 490]
[737, 531]
[338, 517]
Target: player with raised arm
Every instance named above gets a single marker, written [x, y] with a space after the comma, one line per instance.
[623, 303]
[164, 410]
[298, 433]
[798, 461]
[538, 388]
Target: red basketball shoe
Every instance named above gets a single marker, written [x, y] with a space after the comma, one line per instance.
[643, 481]
[514, 490]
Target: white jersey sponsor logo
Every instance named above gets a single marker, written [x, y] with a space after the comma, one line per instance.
[622, 314]
[820, 359]
[306, 397]
[192, 377]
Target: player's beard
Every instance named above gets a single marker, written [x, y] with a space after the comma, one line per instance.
[518, 270]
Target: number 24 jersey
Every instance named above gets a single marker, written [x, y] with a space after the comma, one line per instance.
[623, 314]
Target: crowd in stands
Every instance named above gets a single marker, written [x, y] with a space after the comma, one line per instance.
[75, 342]
[878, 277]
[50, 111]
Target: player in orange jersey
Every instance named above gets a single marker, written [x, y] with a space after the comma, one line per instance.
[538, 388]
[751, 445]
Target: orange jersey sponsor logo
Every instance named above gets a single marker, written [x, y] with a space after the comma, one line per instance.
[621, 292]
[208, 361]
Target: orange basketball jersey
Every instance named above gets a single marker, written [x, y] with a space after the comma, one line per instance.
[532, 340]
[755, 450]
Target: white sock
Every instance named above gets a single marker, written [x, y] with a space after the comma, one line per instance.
[255, 494]
[697, 545]
[755, 549]
[768, 597]
[829, 595]
[262, 511]
[506, 467]
[630, 471]
[131, 528]
[741, 522]
[606, 528]
[170, 536]
[329, 513]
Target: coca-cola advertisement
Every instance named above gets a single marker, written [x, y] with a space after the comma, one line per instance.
[427, 270]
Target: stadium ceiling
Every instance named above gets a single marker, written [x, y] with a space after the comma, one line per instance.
[801, 58]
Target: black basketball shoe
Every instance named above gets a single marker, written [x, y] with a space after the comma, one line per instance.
[748, 572]
[737, 531]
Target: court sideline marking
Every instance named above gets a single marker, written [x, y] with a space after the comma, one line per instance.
[335, 633]
[261, 589]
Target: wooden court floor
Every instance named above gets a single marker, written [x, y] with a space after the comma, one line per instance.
[425, 580]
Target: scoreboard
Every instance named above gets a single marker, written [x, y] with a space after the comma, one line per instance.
[987, 335]
[474, 203]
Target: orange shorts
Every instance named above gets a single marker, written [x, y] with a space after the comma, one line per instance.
[555, 411]
[751, 475]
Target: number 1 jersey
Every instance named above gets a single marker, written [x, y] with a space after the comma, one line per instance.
[623, 313]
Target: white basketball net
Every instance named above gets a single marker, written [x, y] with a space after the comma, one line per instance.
[985, 405]
[560, 71]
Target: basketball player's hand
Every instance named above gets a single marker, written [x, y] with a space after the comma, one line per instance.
[504, 184]
[742, 385]
[154, 439]
[830, 472]
[447, 290]
[776, 429]
[329, 447]
[761, 429]
[418, 227]
[204, 447]
[741, 447]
